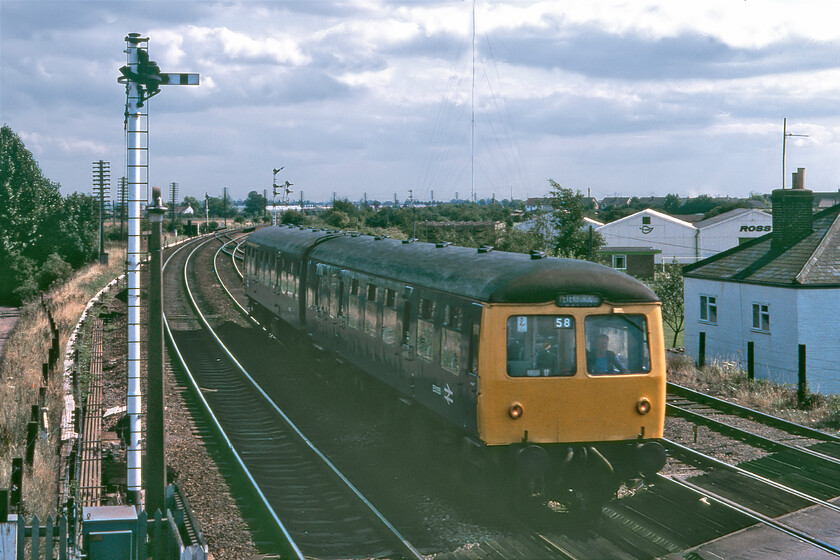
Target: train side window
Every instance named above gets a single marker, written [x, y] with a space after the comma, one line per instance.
[617, 344]
[390, 327]
[294, 267]
[390, 298]
[453, 317]
[425, 328]
[541, 346]
[333, 289]
[354, 287]
[371, 311]
[311, 288]
[450, 350]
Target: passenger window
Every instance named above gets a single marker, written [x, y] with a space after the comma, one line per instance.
[425, 338]
[450, 350]
[617, 344]
[541, 346]
[371, 311]
[390, 326]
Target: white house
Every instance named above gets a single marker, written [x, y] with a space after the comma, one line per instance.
[682, 241]
[677, 239]
[769, 300]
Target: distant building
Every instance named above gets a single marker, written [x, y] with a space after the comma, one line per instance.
[772, 295]
[680, 240]
[675, 239]
[826, 199]
[635, 261]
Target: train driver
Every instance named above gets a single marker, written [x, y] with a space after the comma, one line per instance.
[600, 359]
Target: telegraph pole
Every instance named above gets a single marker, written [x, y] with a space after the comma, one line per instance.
[142, 78]
[101, 185]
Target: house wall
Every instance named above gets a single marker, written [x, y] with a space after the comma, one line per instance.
[675, 240]
[724, 235]
[819, 330]
[797, 316]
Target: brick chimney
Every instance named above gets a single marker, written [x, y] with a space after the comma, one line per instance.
[792, 214]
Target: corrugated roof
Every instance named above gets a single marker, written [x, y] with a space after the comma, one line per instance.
[813, 261]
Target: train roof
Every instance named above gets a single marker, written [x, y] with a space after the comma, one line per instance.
[494, 276]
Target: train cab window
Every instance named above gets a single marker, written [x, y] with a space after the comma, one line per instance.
[617, 344]
[541, 346]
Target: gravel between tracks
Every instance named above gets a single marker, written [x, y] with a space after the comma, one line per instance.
[188, 460]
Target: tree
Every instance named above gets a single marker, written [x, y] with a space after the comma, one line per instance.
[33, 223]
[255, 204]
[571, 237]
[669, 286]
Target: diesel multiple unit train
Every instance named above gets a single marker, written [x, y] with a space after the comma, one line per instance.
[551, 368]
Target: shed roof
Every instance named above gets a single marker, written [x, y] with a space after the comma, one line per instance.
[730, 215]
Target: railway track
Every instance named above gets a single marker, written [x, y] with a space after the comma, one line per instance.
[314, 506]
[800, 468]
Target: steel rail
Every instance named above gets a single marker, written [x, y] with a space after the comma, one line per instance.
[751, 414]
[406, 545]
[747, 436]
[752, 514]
[208, 410]
[701, 458]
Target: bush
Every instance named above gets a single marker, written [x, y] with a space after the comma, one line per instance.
[54, 270]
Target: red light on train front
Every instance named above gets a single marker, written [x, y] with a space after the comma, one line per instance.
[515, 411]
[643, 406]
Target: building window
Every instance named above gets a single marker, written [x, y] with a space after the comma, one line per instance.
[646, 220]
[761, 317]
[619, 262]
[708, 309]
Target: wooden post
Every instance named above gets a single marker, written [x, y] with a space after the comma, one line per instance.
[750, 360]
[802, 393]
[16, 486]
[31, 438]
[701, 358]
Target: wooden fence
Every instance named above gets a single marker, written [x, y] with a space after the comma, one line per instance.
[158, 538]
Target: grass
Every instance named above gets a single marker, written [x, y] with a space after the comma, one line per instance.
[21, 378]
[727, 381]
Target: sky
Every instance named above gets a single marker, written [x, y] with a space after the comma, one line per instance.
[376, 99]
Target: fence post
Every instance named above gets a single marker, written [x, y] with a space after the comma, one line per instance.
[802, 393]
[48, 542]
[36, 535]
[750, 360]
[63, 544]
[701, 359]
[16, 490]
[31, 438]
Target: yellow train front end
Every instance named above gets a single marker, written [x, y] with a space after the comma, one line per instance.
[575, 391]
